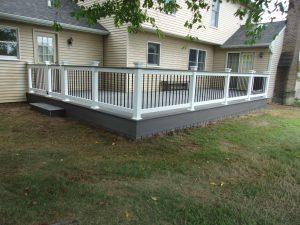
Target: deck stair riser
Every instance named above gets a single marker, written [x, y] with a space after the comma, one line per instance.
[47, 109]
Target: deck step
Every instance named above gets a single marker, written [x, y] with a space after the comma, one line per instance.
[47, 109]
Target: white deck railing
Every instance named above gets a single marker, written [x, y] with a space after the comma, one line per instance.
[137, 91]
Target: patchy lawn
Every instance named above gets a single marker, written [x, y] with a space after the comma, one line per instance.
[239, 171]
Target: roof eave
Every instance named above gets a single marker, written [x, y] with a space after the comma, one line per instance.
[169, 34]
[266, 45]
[49, 23]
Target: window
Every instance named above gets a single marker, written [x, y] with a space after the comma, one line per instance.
[50, 3]
[233, 62]
[8, 42]
[46, 47]
[197, 58]
[168, 5]
[240, 62]
[215, 8]
[247, 61]
[153, 53]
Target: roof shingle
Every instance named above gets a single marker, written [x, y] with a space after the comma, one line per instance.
[239, 37]
[39, 9]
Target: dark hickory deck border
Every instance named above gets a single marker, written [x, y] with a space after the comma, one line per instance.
[151, 124]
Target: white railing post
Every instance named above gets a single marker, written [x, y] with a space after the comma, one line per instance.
[226, 86]
[48, 79]
[64, 80]
[95, 87]
[250, 84]
[192, 88]
[138, 91]
[267, 83]
[29, 69]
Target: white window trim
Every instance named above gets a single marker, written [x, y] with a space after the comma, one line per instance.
[12, 58]
[240, 52]
[159, 61]
[198, 49]
[35, 44]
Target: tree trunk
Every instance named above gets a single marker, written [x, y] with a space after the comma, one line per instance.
[286, 76]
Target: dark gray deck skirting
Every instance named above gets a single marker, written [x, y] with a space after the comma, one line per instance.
[151, 124]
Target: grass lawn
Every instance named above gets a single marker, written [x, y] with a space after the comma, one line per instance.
[238, 171]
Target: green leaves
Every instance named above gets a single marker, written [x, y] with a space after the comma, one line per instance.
[134, 13]
[253, 33]
[57, 27]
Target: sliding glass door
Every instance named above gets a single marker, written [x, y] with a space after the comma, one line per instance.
[240, 62]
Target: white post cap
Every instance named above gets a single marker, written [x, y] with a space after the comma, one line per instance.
[29, 62]
[194, 68]
[64, 63]
[228, 70]
[251, 71]
[47, 62]
[138, 64]
[95, 63]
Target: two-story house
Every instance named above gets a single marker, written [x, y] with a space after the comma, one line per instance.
[26, 35]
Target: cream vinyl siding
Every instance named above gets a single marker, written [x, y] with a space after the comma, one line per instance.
[174, 52]
[13, 80]
[13, 74]
[85, 48]
[115, 43]
[174, 24]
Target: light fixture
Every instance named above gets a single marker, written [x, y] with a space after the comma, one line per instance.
[70, 41]
[261, 54]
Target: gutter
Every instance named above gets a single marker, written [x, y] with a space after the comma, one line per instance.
[246, 46]
[49, 23]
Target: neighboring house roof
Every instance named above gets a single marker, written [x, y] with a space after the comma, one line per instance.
[238, 39]
[38, 12]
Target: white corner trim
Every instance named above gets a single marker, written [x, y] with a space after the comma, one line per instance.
[276, 38]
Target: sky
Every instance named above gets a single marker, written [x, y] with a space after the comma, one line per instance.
[278, 15]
